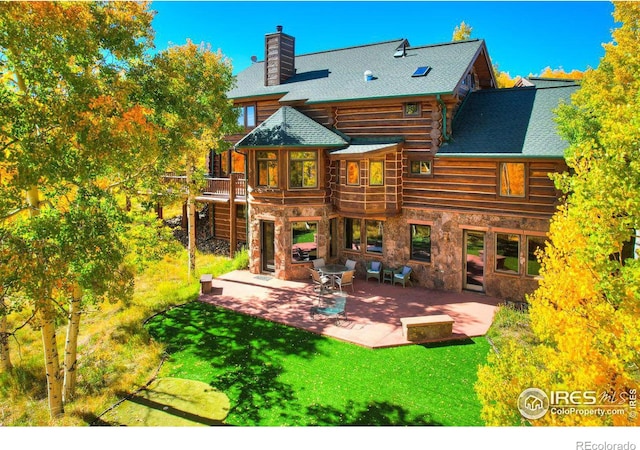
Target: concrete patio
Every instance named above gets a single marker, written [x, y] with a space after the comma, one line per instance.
[373, 310]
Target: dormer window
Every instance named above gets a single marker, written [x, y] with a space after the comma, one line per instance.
[247, 117]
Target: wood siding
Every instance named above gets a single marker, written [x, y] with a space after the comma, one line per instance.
[472, 185]
[365, 200]
[221, 223]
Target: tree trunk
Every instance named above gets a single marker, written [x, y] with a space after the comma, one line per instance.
[5, 356]
[51, 361]
[191, 218]
[71, 345]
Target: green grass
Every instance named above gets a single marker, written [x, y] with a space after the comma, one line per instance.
[276, 375]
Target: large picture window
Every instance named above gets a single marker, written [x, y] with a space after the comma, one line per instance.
[352, 234]
[507, 253]
[304, 245]
[512, 179]
[267, 163]
[421, 243]
[534, 243]
[376, 173]
[374, 236]
[303, 169]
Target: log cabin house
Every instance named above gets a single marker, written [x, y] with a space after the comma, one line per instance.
[393, 153]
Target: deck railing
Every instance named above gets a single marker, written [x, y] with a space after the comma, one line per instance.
[215, 187]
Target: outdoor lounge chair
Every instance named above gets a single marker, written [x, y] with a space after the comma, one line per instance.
[346, 279]
[374, 270]
[403, 276]
[336, 310]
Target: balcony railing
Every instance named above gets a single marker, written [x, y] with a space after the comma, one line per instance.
[216, 187]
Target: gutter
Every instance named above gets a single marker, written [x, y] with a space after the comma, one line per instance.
[445, 136]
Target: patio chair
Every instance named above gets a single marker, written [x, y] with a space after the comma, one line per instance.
[345, 280]
[374, 270]
[350, 264]
[318, 263]
[322, 282]
[403, 276]
[336, 310]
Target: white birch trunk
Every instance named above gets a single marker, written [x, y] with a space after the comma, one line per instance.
[51, 360]
[5, 356]
[71, 346]
[191, 218]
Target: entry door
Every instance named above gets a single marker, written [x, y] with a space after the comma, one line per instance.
[267, 246]
[473, 261]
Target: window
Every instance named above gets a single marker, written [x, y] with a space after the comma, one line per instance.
[374, 236]
[534, 243]
[507, 253]
[376, 173]
[241, 211]
[267, 163]
[412, 109]
[353, 173]
[304, 240]
[421, 243]
[418, 168]
[247, 116]
[303, 169]
[512, 179]
[352, 234]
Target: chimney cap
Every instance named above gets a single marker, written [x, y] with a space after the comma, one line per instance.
[279, 28]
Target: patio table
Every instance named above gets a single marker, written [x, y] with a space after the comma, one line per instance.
[334, 270]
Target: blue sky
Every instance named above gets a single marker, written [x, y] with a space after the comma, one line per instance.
[522, 37]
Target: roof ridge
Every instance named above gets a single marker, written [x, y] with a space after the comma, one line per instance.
[352, 47]
[441, 44]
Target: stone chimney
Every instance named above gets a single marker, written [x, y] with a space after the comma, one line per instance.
[279, 57]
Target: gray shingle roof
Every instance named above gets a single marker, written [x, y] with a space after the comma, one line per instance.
[288, 127]
[516, 122]
[338, 75]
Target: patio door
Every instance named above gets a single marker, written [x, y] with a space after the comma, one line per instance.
[267, 246]
[473, 261]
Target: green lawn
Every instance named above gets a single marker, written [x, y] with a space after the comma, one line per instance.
[276, 375]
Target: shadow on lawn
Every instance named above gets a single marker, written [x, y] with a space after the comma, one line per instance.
[375, 413]
[242, 354]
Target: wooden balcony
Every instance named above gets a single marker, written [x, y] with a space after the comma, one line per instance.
[217, 188]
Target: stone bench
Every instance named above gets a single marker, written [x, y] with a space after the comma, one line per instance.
[427, 328]
[206, 284]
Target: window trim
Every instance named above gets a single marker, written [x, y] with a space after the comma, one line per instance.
[526, 268]
[243, 115]
[411, 256]
[496, 255]
[377, 161]
[525, 188]
[317, 169]
[366, 237]
[418, 112]
[420, 174]
[257, 163]
[347, 163]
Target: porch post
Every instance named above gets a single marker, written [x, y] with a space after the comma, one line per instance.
[233, 238]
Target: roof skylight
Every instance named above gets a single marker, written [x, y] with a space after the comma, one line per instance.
[421, 71]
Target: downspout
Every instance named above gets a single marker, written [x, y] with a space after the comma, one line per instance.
[246, 194]
[445, 136]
